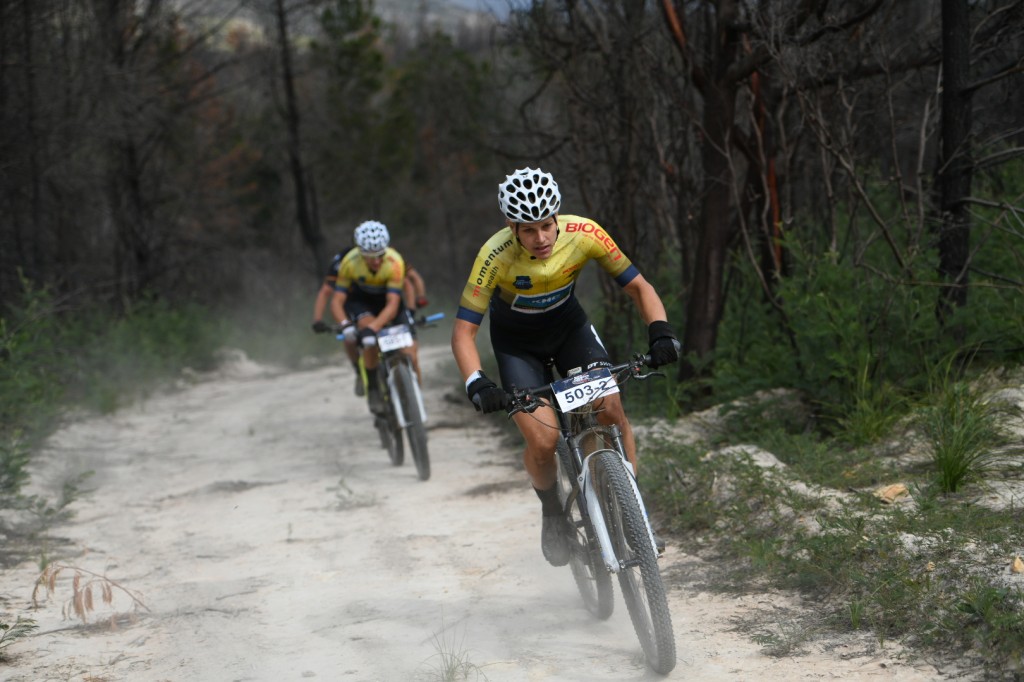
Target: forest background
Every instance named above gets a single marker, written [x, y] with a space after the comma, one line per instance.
[827, 195]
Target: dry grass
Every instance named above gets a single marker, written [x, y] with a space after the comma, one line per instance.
[86, 588]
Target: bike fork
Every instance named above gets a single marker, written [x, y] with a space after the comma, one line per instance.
[613, 563]
[403, 421]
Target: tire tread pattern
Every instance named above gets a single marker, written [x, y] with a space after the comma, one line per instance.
[642, 587]
[588, 570]
[416, 431]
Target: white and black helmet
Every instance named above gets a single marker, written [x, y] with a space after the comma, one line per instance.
[529, 195]
[372, 237]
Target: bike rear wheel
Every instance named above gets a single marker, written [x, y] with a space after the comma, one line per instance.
[416, 430]
[391, 438]
[593, 580]
[639, 577]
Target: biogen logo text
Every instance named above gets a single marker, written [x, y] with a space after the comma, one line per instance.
[594, 232]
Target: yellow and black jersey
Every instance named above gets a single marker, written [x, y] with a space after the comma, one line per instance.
[355, 278]
[524, 291]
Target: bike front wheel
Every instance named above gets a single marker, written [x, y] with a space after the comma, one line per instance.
[593, 580]
[416, 430]
[390, 438]
[639, 577]
[387, 424]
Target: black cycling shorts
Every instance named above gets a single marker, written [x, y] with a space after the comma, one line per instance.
[522, 357]
[361, 306]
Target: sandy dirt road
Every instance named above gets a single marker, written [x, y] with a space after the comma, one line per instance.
[270, 539]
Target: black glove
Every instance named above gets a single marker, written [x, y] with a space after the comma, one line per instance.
[664, 344]
[321, 327]
[486, 396]
[367, 337]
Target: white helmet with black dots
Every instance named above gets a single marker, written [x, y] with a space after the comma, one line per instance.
[372, 237]
[528, 196]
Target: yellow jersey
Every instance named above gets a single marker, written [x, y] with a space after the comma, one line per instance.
[521, 290]
[355, 278]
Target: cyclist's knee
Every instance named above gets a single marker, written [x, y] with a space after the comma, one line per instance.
[541, 447]
[611, 412]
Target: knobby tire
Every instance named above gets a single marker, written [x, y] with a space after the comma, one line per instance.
[416, 430]
[641, 585]
[387, 424]
[593, 580]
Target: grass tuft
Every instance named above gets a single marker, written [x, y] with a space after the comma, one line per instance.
[11, 633]
[969, 435]
[451, 658]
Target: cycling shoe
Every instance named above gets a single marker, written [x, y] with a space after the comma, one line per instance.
[554, 541]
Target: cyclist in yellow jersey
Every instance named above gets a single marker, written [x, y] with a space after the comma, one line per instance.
[414, 292]
[368, 296]
[525, 277]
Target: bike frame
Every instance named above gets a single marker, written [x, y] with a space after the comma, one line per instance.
[584, 485]
[388, 361]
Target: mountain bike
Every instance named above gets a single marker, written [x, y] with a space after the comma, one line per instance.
[403, 409]
[609, 531]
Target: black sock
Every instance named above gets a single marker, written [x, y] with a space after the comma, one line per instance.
[549, 501]
[371, 379]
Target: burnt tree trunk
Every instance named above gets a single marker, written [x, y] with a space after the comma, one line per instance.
[955, 163]
[310, 230]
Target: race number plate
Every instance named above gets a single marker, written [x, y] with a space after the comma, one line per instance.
[394, 338]
[576, 391]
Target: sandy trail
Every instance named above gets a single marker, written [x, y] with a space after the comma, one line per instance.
[271, 539]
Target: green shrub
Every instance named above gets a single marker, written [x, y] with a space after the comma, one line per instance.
[123, 356]
[10, 633]
[53, 356]
[14, 458]
[968, 433]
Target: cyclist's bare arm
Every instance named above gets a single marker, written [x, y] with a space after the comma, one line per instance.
[409, 293]
[338, 305]
[323, 298]
[415, 287]
[421, 286]
[467, 357]
[646, 299]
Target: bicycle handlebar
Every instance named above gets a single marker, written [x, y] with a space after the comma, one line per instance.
[418, 322]
[528, 399]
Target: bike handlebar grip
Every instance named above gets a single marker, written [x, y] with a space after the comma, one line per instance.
[434, 317]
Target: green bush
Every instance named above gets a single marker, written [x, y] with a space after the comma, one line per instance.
[968, 433]
[121, 357]
[53, 356]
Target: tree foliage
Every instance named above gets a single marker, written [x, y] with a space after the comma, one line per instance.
[755, 159]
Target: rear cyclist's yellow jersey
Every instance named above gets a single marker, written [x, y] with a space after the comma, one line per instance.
[355, 278]
[524, 291]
